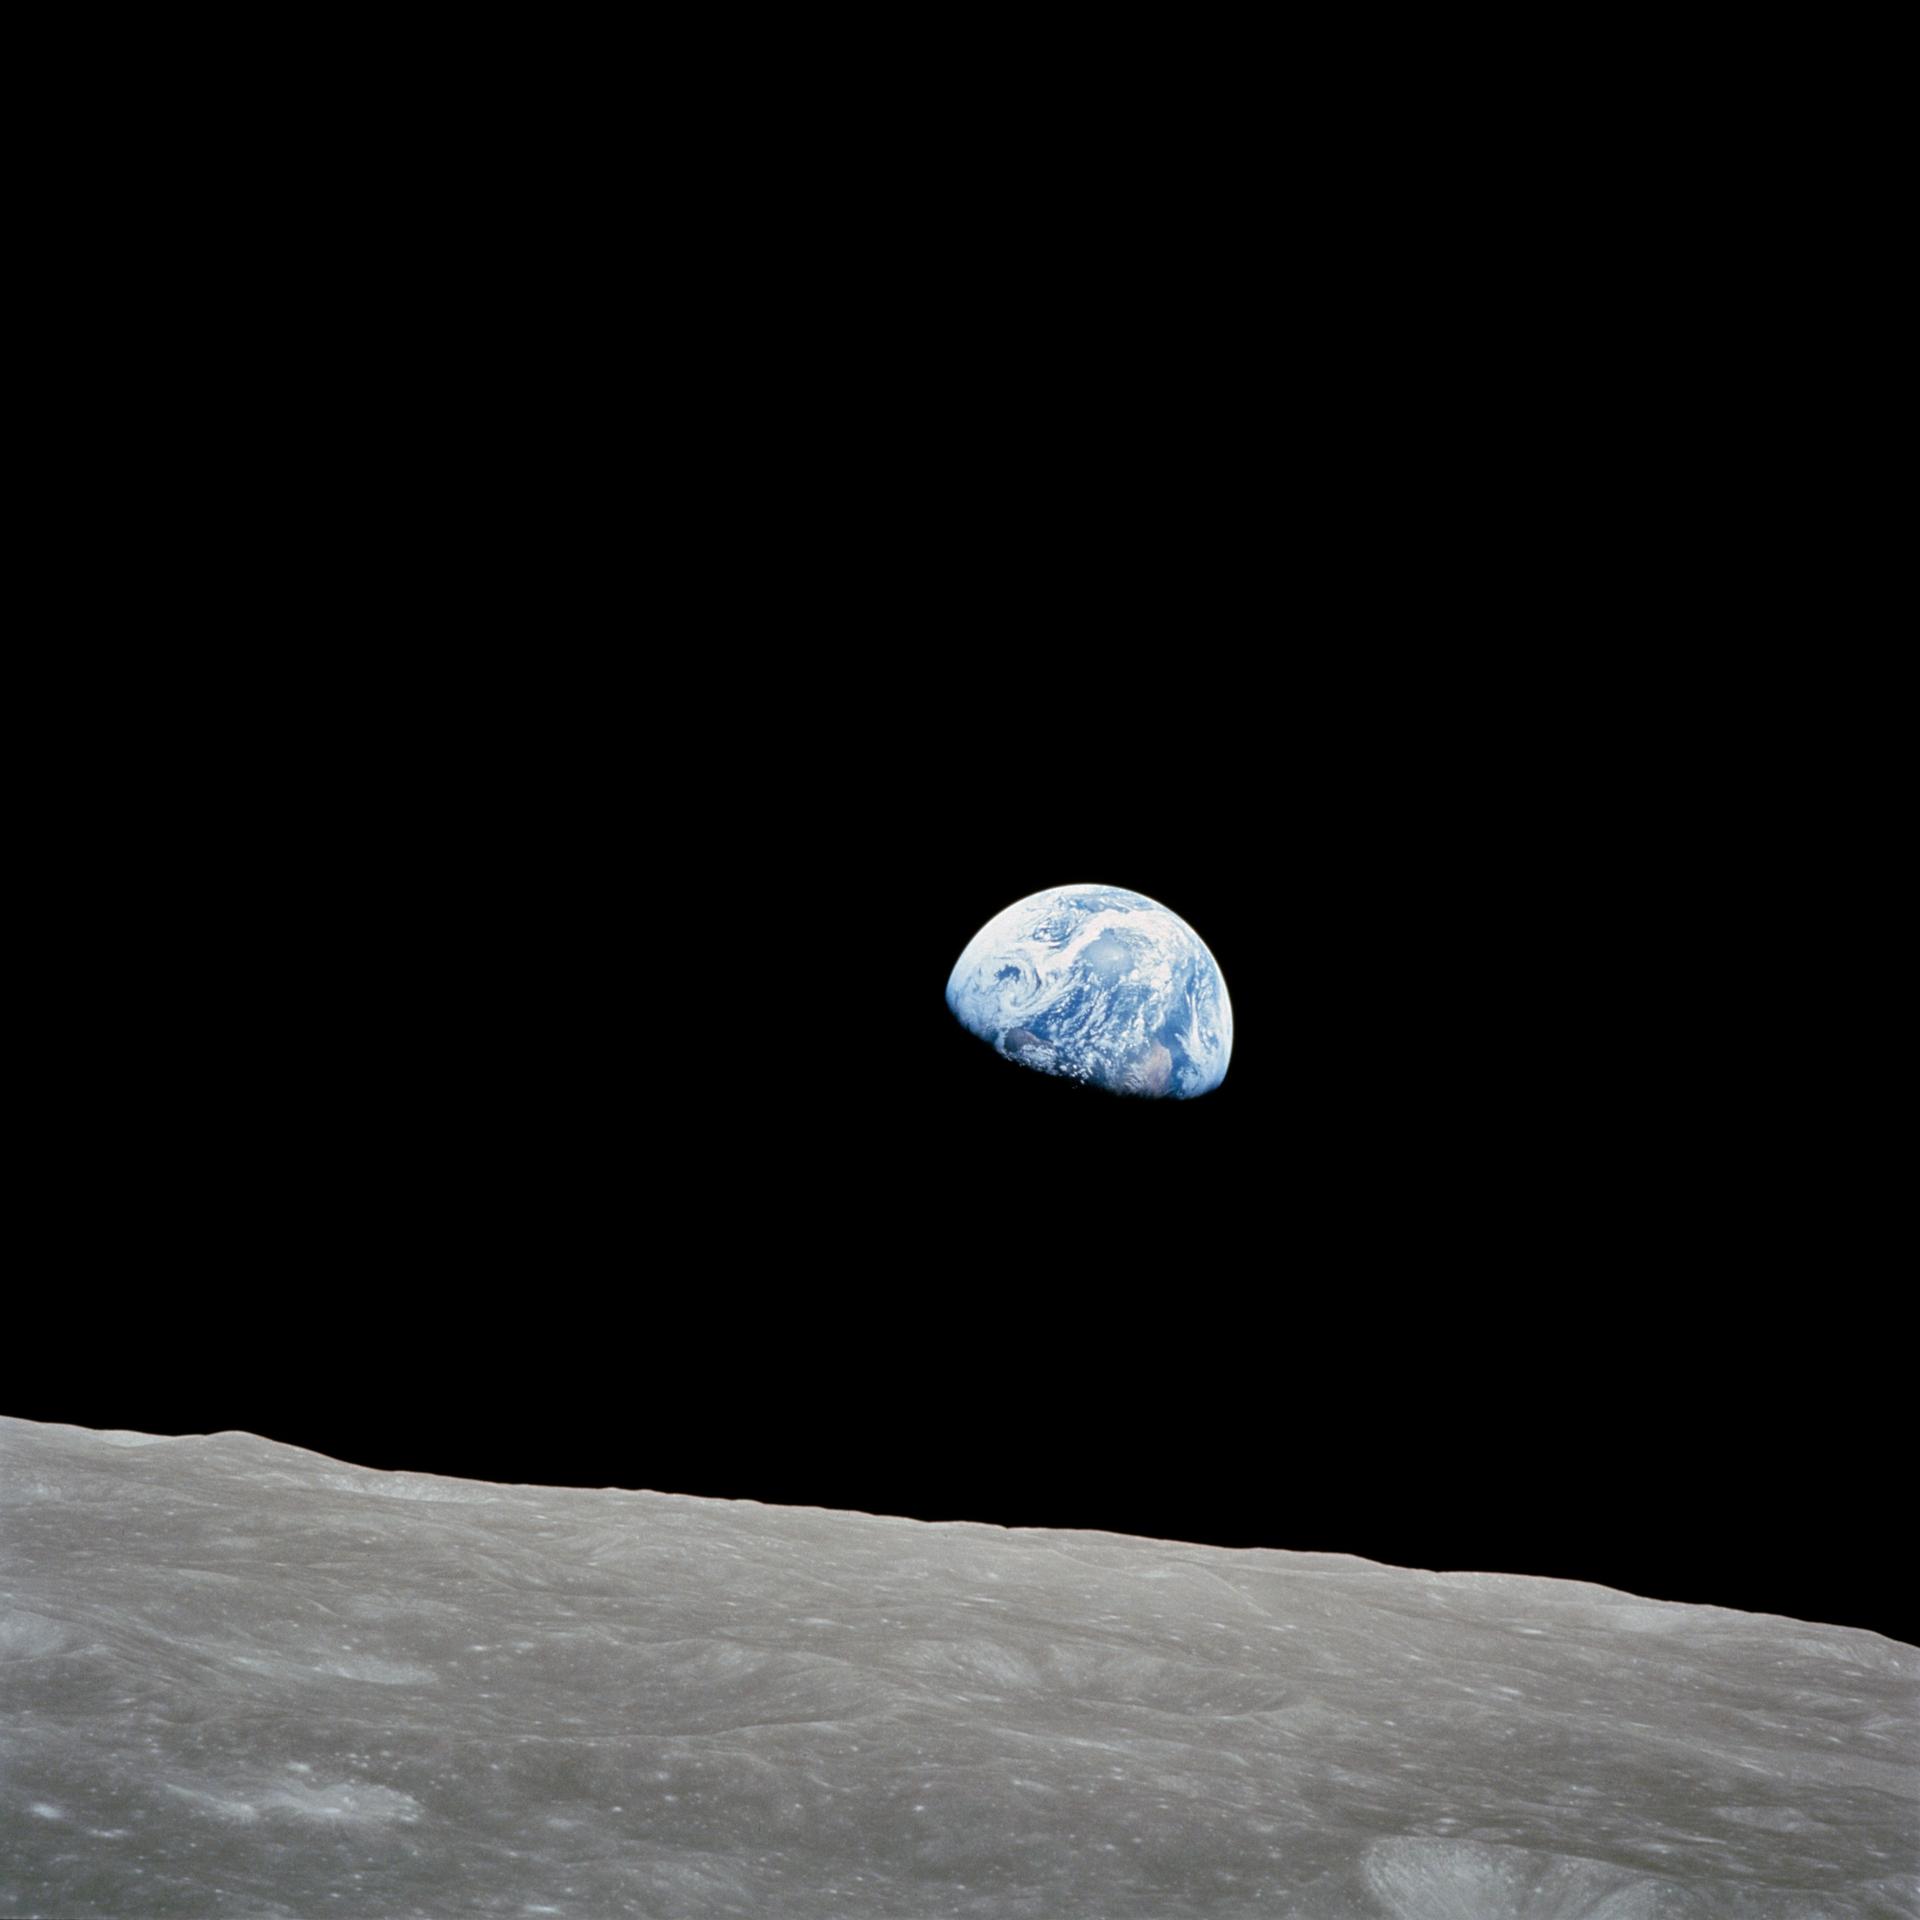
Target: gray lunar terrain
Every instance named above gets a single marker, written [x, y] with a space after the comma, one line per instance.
[240, 1679]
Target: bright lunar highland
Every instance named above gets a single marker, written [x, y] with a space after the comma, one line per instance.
[243, 1682]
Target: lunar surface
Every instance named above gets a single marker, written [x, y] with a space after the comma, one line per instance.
[1101, 985]
[239, 1679]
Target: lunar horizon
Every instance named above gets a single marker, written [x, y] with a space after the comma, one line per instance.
[244, 1679]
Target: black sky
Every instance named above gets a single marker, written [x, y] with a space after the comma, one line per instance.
[520, 1103]
[486, 1010]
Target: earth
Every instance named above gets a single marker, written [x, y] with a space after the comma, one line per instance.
[1102, 985]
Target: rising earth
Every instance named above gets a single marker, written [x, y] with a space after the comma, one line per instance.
[1101, 985]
